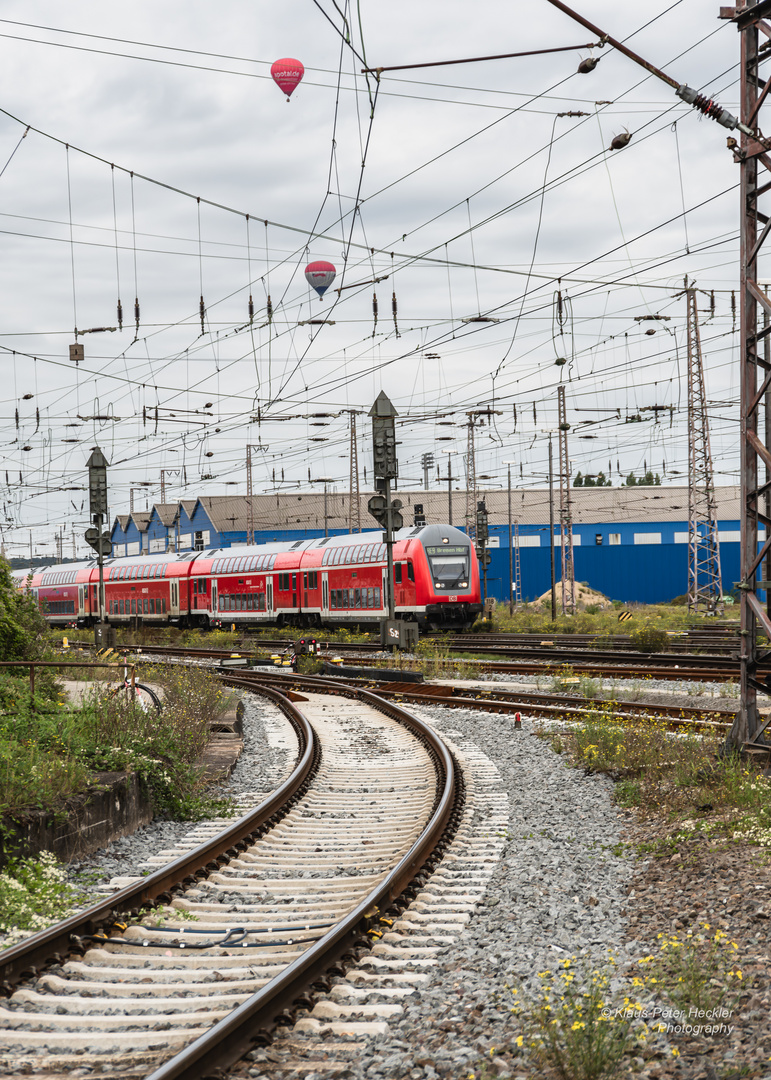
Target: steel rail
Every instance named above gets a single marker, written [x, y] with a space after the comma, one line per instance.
[552, 705]
[232, 1037]
[52, 944]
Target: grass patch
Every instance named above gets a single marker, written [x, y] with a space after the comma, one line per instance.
[684, 776]
[51, 752]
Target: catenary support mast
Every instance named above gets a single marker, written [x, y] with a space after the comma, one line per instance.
[704, 580]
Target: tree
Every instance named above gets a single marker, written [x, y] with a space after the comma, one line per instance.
[602, 480]
[579, 480]
[20, 620]
[631, 480]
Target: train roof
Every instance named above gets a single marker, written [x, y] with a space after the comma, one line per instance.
[428, 534]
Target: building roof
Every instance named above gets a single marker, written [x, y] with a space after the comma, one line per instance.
[167, 513]
[141, 519]
[305, 510]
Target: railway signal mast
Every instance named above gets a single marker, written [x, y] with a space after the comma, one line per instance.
[98, 540]
[386, 511]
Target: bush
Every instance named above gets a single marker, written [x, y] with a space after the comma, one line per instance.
[649, 639]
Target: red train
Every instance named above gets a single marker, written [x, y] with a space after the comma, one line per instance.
[328, 581]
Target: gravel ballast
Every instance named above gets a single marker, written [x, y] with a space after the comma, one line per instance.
[566, 885]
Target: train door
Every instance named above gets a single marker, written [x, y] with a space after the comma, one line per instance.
[294, 590]
[81, 602]
[269, 594]
[174, 599]
[213, 598]
[324, 595]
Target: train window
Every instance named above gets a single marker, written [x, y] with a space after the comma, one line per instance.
[133, 606]
[410, 571]
[398, 573]
[152, 605]
[145, 606]
[357, 598]
[370, 598]
[163, 605]
[345, 603]
[261, 601]
[313, 580]
[120, 606]
[283, 582]
[377, 596]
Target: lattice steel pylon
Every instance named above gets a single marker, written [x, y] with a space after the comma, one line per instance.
[249, 501]
[354, 508]
[517, 566]
[704, 579]
[566, 515]
[471, 481]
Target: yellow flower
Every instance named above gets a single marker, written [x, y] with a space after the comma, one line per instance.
[519, 1040]
[675, 1052]
[578, 1024]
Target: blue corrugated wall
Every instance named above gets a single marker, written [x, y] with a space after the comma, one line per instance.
[645, 574]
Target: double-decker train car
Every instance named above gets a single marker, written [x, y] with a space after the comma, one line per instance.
[336, 580]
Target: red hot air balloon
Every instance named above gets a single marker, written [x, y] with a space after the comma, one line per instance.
[287, 74]
[320, 275]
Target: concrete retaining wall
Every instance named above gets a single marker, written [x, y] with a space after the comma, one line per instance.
[112, 807]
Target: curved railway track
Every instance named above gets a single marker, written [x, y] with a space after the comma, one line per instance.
[282, 898]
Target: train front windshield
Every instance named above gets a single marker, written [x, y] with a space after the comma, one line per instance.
[449, 566]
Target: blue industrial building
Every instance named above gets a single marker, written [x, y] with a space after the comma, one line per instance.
[629, 543]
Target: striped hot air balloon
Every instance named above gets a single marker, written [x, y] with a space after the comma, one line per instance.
[320, 275]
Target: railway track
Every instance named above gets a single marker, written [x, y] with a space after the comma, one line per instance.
[499, 700]
[528, 661]
[288, 896]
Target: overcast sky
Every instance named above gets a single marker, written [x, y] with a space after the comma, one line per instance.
[477, 198]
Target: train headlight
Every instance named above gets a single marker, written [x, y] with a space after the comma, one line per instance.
[438, 585]
[464, 584]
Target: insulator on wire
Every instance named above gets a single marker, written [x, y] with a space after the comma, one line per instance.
[733, 309]
[587, 65]
[514, 409]
[120, 315]
[394, 309]
[707, 106]
[136, 312]
[535, 414]
[202, 313]
[270, 309]
[251, 308]
[17, 419]
[37, 420]
[374, 313]
[712, 303]
[144, 416]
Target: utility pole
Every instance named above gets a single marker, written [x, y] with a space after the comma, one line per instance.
[448, 478]
[704, 581]
[566, 516]
[427, 463]
[354, 508]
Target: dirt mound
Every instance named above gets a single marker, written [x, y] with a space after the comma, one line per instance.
[584, 596]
